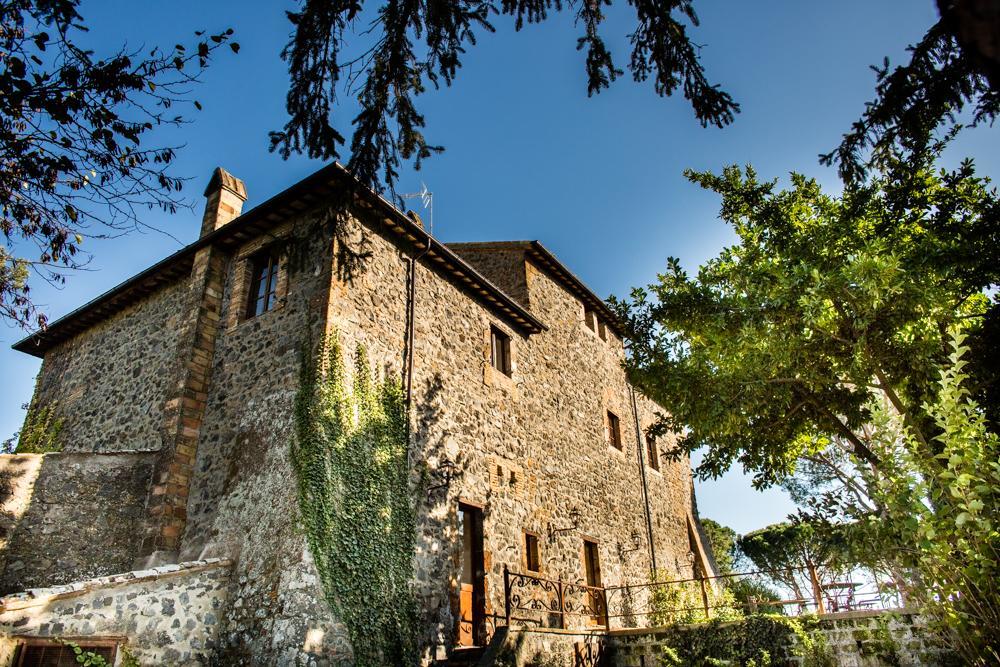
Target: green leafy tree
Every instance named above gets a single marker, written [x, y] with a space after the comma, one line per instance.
[788, 551]
[822, 303]
[76, 161]
[815, 345]
[722, 540]
[748, 591]
[939, 517]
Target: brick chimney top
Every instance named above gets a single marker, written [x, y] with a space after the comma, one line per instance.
[223, 179]
[225, 196]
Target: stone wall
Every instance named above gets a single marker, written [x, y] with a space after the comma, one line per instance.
[243, 498]
[109, 383]
[528, 449]
[550, 648]
[500, 264]
[852, 639]
[168, 615]
[72, 515]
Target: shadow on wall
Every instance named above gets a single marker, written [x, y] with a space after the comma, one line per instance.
[70, 516]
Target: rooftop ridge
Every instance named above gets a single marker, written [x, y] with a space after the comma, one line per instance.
[297, 198]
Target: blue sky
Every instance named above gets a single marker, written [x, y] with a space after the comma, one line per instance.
[599, 181]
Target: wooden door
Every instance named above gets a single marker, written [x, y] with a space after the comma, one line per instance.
[592, 572]
[472, 594]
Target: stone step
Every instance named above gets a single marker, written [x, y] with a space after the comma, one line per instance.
[464, 657]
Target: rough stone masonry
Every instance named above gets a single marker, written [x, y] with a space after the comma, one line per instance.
[176, 390]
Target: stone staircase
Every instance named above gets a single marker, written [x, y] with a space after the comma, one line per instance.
[464, 657]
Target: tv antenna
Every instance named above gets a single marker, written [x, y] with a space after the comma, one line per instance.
[427, 199]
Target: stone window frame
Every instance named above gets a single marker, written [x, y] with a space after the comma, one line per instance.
[242, 279]
[264, 269]
[598, 327]
[85, 643]
[493, 377]
[652, 453]
[590, 319]
[526, 551]
[616, 443]
[501, 357]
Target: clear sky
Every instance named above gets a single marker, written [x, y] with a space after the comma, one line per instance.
[529, 156]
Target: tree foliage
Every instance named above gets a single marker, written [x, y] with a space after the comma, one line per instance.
[787, 550]
[748, 592]
[939, 519]
[947, 73]
[74, 158]
[823, 300]
[815, 347]
[722, 540]
[412, 44]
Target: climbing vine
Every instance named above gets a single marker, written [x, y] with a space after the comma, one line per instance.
[350, 459]
[40, 433]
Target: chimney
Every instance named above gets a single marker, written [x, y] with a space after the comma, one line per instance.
[225, 194]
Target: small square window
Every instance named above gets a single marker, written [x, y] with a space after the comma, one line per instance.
[43, 653]
[500, 351]
[531, 557]
[651, 454]
[263, 293]
[614, 431]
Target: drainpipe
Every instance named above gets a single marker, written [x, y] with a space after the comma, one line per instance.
[411, 297]
[645, 486]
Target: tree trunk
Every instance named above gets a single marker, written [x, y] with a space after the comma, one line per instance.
[976, 26]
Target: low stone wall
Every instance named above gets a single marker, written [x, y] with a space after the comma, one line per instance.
[167, 615]
[546, 648]
[864, 638]
[853, 639]
[70, 516]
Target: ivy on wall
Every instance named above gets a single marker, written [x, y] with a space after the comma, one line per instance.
[40, 433]
[350, 459]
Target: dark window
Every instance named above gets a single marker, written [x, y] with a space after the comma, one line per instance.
[531, 559]
[592, 563]
[54, 654]
[602, 330]
[590, 317]
[500, 350]
[263, 283]
[614, 431]
[651, 454]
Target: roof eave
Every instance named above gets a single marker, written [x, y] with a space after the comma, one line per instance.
[298, 198]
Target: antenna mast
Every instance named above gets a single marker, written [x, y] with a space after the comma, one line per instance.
[427, 199]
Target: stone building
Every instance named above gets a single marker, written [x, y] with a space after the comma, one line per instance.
[170, 522]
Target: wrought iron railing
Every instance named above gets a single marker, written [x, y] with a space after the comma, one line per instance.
[532, 600]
